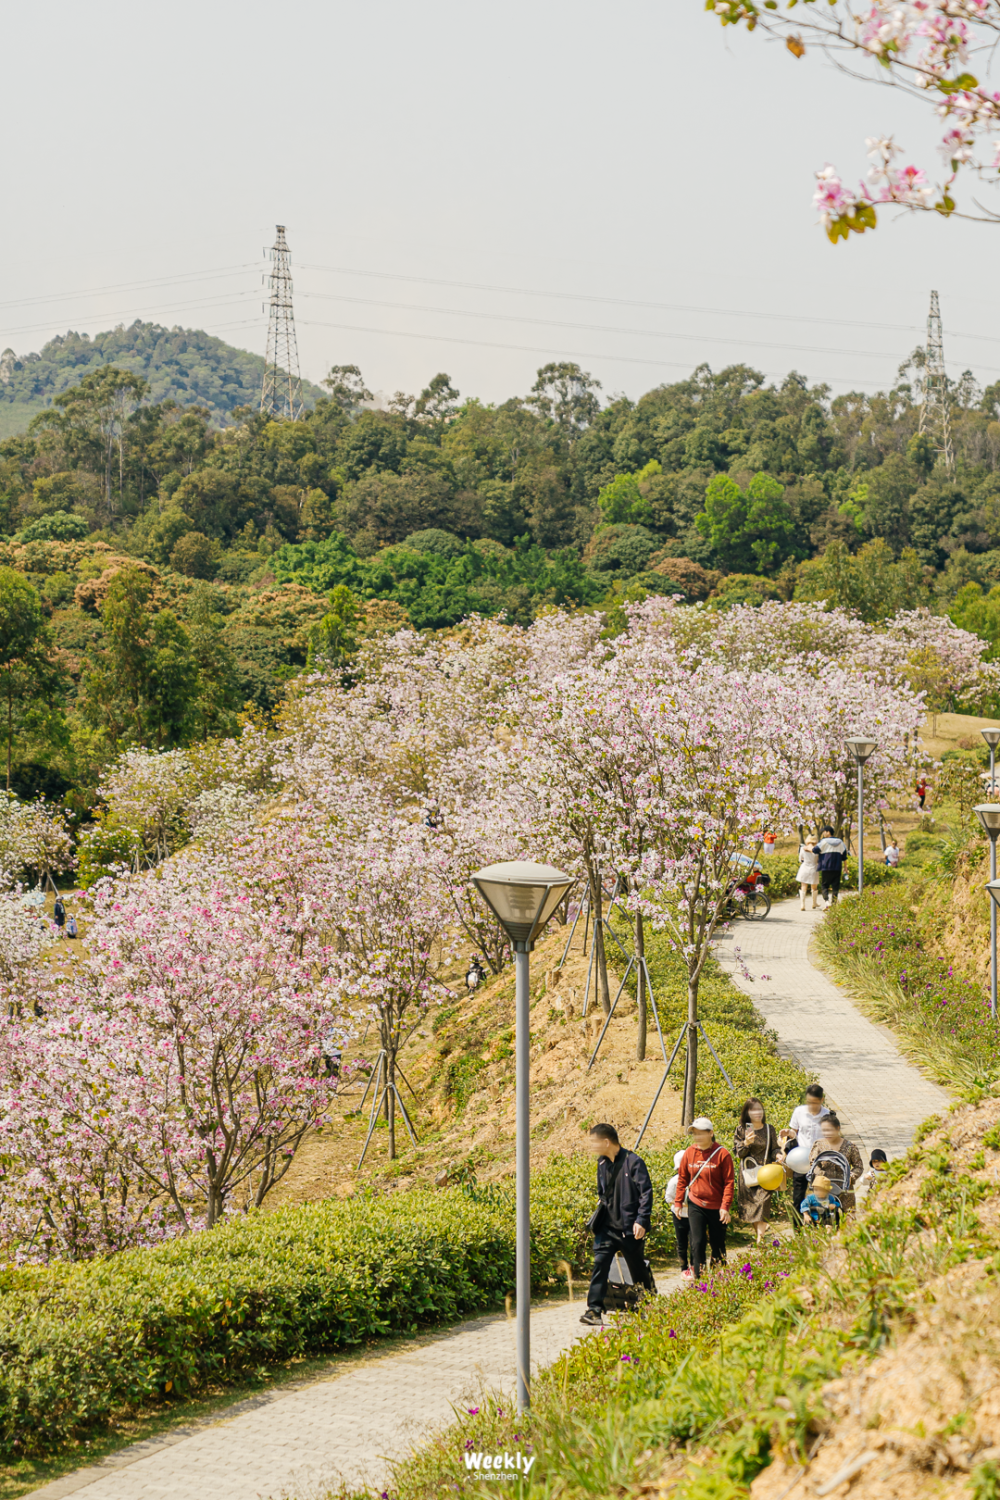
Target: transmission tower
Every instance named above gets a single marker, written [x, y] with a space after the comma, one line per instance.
[281, 393]
[935, 419]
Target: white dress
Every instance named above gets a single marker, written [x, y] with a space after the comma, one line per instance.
[808, 871]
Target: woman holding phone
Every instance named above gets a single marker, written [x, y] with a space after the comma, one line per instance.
[755, 1145]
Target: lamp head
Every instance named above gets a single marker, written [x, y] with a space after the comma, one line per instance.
[522, 895]
[860, 748]
[991, 736]
[993, 886]
[988, 814]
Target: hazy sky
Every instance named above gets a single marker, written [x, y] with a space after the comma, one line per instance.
[469, 188]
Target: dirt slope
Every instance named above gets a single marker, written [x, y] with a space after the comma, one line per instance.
[461, 1065]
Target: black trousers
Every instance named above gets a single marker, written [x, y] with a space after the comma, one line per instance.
[800, 1186]
[682, 1231]
[706, 1226]
[829, 884]
[607, 1244]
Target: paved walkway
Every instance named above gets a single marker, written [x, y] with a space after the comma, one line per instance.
[303, 1443]
[880, 1097]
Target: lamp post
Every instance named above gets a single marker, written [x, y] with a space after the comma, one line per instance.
[994, 889]
[988, 814]
[522, 896]
[992, 738]
[861, 749]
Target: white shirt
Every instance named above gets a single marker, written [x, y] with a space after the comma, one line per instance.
[806, 1124]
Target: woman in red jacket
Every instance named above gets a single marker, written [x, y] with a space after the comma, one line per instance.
[706, 1181]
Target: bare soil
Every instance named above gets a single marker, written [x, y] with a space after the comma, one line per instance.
[461, 1065]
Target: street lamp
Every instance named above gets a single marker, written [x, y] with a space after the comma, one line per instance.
[992, 738]
[994, 889]
[861, 749]
[522, 896]
[988, 814]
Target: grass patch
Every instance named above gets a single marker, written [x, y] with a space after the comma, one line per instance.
[887, 957]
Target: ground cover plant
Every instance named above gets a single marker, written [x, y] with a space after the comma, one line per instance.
[886, 948]
[80, 1343]
[876, 1340]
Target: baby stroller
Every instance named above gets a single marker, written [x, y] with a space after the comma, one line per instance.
[832, 1164]
[622, 1291]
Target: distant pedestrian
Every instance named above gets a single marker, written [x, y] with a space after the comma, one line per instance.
[891, 855]
[755, 1145]
[921, 791]
[71, 931]
[832, 858]
[59, 916]
[807, 874]
[832, 1138]
[803, 1130]
[705, 1187]
[623, 1215]
[682, 1225]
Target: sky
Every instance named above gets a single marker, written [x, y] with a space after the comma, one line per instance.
[468, 188]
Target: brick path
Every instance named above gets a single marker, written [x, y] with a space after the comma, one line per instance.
[303, 1443]
[880, 1097]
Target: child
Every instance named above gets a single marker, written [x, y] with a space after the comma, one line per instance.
[71, 926]
[877, 1163]
[681, 1226]
[820, 1207]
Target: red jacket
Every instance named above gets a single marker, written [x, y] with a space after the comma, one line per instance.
[715, 1184]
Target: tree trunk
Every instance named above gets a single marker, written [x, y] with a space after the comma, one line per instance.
[640, 990]
[600, 957]
[390, 1100]
[691, 1064]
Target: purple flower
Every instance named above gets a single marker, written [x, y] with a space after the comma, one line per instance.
[473, 1411]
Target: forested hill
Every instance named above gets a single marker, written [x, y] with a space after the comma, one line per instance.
[180, 364]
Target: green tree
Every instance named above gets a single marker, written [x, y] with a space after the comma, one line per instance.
[871, 582]
[567, 395]
[749, 532]
[30, 678]
[145, 688]
[335, 639]
[623, 500]
[92, 421]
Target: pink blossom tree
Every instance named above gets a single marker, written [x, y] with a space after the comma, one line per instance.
[926, 48]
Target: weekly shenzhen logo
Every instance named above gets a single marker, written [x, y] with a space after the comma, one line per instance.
[493, 1466]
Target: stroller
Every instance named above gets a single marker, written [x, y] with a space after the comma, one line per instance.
[622, 1291]
[832, 1164]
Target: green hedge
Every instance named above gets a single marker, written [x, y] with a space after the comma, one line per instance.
[79, 1343]
[782, 868]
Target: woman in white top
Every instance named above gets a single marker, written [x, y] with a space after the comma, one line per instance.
[808, 873]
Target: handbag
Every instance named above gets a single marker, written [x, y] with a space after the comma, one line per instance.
[750, 1174]
[687, 1191]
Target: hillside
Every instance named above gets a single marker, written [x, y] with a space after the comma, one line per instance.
[181, 364]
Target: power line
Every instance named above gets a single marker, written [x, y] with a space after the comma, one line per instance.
[479, 286]
[442, 338]
[226, 300]
[643, 333]
[130, 286]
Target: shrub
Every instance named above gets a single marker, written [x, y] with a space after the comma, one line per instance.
[620, 549]
[80, 1342]
[61, 526]
[196, 555]
[782, 869]
[442, 543]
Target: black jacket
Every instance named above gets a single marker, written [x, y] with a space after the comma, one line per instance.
[832, 855]
[636, 1189]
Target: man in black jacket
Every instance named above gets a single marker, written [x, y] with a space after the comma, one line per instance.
[832, 858]
[623, 1215]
